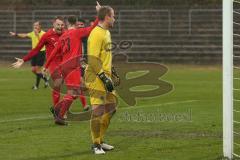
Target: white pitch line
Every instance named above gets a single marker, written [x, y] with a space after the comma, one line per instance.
[158, 105]
[25, 118]
[236, 155]
[237, 144]
[236, 133]
[236, 111]
[235, 67]
[133, 107]
[236, 122]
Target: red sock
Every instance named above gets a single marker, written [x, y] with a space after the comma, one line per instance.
[83, 99]
[55, 97]
[65, 104]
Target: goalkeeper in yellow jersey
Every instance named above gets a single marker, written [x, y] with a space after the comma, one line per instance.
[98, 79]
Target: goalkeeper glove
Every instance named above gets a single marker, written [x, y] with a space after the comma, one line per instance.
[106, 81]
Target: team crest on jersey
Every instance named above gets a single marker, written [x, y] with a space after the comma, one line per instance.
[54, 42]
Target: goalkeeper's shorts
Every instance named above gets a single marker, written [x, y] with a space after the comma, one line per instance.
[99, 95]
[102, 98]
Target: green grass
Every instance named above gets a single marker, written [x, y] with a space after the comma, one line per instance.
[197, 92]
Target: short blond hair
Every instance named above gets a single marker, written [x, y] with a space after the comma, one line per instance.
[104, 11]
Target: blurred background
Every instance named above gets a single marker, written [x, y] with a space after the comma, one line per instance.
[169, 31]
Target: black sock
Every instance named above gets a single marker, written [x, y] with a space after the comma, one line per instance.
[41, 76]
[38, 78]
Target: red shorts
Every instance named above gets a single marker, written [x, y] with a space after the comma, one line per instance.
[55, 71]
[73, 79]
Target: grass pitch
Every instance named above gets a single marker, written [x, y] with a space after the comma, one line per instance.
[185, 124]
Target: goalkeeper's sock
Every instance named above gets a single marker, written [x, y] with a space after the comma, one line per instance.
[95, 125]
[105, 121]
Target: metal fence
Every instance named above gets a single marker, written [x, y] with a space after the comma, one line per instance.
[45, 16]
[162, 19]
[8, 19]
[208, 16]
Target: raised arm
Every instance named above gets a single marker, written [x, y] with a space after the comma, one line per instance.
[30, 54]
[84, 32]
[20, 35]
[37, 49]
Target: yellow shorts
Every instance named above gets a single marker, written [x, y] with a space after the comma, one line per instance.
[102, 98]
[97, 92]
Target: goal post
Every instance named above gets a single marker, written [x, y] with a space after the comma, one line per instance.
[227, 13]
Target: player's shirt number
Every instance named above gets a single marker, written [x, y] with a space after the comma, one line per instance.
[65, 43]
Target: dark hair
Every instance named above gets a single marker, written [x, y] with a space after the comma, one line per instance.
[104, 11]
[81, 20]
[91, 20]
[72, 19]
[58, 17]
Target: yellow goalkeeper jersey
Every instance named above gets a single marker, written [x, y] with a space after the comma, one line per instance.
[99, 51]
[35, 39]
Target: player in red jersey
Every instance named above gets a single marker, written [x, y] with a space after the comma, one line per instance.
[69, 48]
[49, 39]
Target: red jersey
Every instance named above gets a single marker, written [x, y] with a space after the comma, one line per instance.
[69, 45]
[49, 40]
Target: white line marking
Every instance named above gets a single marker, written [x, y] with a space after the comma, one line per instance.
[236, 122]
[236, 111]
[158, 105]
[237, 144]
[42, 117]
[25, 118]
[236, 133]
[236, 155]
